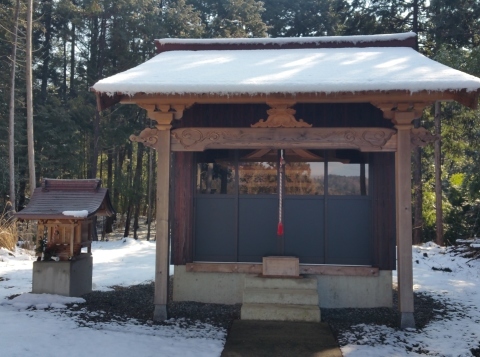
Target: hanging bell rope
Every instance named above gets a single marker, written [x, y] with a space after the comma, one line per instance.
[280, 194]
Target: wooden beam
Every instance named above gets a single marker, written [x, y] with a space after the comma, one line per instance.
[256, 268]
[466, 98]
[403, 190]
[363, 139]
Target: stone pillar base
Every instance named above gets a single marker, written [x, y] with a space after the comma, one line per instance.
[407, 320]
[67, 278]
[160, 313]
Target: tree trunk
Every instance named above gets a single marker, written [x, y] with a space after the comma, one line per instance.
[127, 221]
[28, 68]
[438, 174]
[96, 119]
[149, 194]
[22, 188]
[72, 63]
[11, 121]
[95, 144]
[120, 158]
[127, 197]
[415, 22]
[137, 186]
[47, 8]
[109, 220]
[64, 85]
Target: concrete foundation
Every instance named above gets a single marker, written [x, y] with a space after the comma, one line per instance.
[333, 291]
[355, 291]
[67, 278]
[160, 313]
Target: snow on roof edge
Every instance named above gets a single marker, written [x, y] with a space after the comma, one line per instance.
[284, 40]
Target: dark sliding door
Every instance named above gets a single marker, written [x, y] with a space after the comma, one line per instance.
[326, 206]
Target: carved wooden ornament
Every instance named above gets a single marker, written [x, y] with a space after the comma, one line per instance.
[364, 139]
[148, 137]
[281, 116]
[421, 137]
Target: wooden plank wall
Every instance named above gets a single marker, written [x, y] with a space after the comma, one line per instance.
[320, 115]
[383, 210]
[182, 208]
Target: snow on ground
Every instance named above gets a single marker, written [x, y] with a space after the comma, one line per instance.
[454, 335]
[32, 323]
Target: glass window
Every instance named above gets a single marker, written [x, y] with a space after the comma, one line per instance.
[347, 178]
[304, 178]
[257, 178]
[216, 178]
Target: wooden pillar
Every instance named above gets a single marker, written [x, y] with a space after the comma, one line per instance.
[159, 139]
[403, 190]
[162, 229]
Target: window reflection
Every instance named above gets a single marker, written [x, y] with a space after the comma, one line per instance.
[256, 178]
[304, 178]
[347, 178]
[216, 178]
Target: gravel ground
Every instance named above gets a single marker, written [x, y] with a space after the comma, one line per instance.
[136, 302]
[426, 310]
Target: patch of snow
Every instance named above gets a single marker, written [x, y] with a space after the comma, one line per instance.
[128, 261]
[285, 40]
[80, 214]
[42, 301]
[288, 71]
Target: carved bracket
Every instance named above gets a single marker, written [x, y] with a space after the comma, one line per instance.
[281, 116]
[421, 137]
[390, 108]
[164, 114]
[364, 139]
[148, 137]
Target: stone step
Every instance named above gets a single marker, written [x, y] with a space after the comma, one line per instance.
[280, 296]
[276, 312]
[280, 283]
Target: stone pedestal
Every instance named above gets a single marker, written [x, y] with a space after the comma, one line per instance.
[67, 278]
[281, 266]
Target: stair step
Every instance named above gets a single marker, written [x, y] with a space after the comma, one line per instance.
[280, 296]
[275, 312]
[280, 283]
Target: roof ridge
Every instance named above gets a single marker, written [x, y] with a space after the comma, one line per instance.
[71, 184]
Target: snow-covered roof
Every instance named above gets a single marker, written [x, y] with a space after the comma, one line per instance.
[64, 199]
[287, 71]
[290, 40]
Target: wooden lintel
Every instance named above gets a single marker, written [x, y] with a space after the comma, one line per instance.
[248, 268]
[394, 96]
[363, 139]
[225, 268]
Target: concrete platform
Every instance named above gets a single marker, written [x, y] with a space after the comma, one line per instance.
[67, 278]
[280, 299]
[249, 338]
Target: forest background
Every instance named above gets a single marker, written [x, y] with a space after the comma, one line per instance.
[78, 42]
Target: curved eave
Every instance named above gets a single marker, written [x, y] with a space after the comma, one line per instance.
[467, 98]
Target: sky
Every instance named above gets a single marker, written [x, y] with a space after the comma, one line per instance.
[37, 323]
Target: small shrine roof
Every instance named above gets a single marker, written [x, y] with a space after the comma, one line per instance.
[68, 199]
